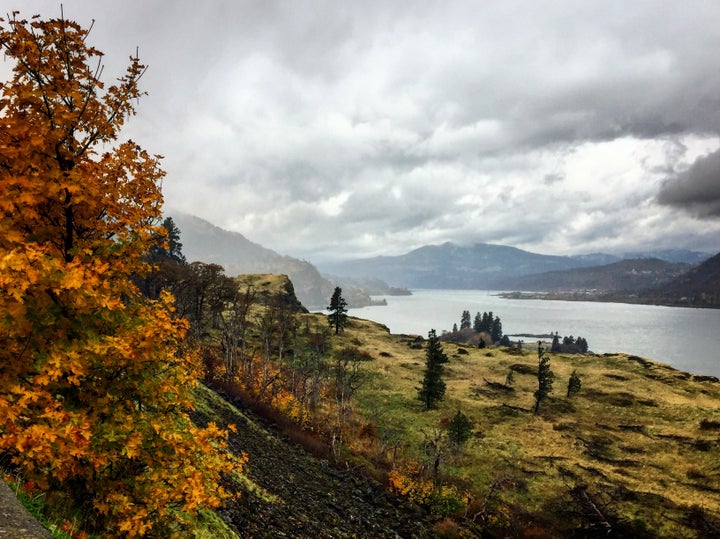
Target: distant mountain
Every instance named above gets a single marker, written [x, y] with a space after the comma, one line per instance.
[480, 266]
[205, 242]
[631, 276]
[699, 287]
[484, 265]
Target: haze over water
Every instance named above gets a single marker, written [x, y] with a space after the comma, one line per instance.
[687, 339]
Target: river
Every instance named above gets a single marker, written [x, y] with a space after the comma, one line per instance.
[687, 339]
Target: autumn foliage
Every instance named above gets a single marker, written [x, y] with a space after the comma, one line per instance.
[94, 378]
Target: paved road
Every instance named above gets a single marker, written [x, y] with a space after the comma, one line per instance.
[15, 521]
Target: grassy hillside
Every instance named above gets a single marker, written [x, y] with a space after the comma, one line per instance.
[637, 448]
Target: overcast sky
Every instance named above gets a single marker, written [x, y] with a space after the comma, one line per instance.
[344, 129]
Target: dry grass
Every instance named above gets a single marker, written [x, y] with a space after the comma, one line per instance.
[633, 430]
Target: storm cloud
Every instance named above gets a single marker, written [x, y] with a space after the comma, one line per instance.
[696, 189]
[328, 129]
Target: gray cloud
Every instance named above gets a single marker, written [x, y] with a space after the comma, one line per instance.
[696, 189]
[325, 129]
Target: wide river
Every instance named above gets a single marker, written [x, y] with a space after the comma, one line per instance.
[687, 339]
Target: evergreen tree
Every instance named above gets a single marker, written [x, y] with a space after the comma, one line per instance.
[465, 320]
[582, 344]
[338, 311]
[574, 384]
[459, 429]
[545, 377]
[174, 247]
[433, 386]
[555, 344]
[485, 322]
[496, 330]
[455, 328]
[477, 323]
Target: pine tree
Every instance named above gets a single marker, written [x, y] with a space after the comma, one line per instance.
[477, 323]
[465, 320]
[496, 330]
[433, 387]
[545, 378]
[173, 248]
[574, 384]
[555, 344]
[338, 311]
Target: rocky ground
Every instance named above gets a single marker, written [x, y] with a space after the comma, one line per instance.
[291, 494]
[15, 521]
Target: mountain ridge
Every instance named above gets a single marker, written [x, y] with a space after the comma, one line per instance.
[479, 266]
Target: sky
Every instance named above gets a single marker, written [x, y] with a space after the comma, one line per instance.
[335, 129]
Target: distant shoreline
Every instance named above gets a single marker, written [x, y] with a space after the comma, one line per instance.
[604, 298]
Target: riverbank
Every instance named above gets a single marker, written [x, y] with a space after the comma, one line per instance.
[685, 338]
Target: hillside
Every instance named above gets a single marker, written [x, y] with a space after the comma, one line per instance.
[624, 276]
[634, 454]
[700, 286]
[641, 440]
[211, 244]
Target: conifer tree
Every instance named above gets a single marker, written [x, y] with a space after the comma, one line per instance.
[432, 389]
[465, 320]
[555, 344]
[496, 330]
[545, 378]
[477, 323]
[338, 311]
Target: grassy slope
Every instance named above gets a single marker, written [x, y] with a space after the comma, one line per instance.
[632, 434]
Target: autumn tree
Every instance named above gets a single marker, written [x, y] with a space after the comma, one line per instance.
[94, 377]
[338, 311]
[432, 389]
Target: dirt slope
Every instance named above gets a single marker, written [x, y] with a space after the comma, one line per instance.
[287, 493]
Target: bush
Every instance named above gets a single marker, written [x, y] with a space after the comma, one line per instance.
[459, 429]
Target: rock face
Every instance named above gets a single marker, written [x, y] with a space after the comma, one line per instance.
[295, 495]
[15, 521]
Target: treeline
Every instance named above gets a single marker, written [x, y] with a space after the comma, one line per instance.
[569, 345]
[486, 322]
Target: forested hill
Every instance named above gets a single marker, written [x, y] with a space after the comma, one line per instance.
[700, 286]
[624, 276]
